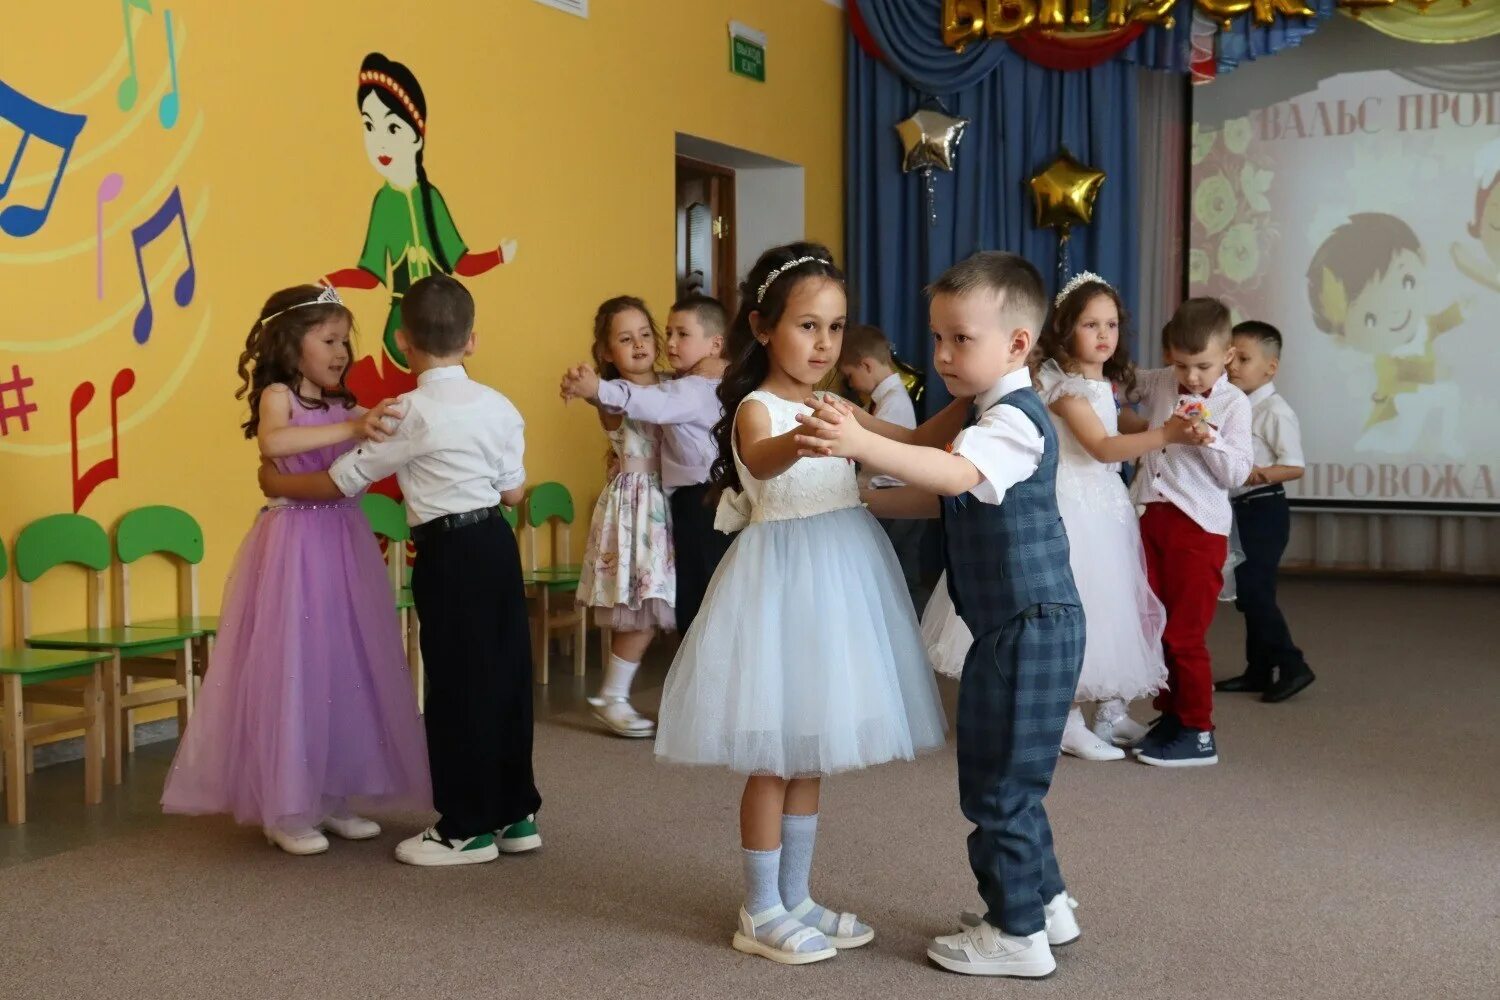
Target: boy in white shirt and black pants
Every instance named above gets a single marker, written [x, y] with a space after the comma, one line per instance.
[457, 455]
[1263, 516]
[867, 364]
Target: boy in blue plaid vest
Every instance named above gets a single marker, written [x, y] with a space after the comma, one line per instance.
[1007, 559]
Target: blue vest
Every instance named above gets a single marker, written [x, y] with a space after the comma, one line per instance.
[1003, 559]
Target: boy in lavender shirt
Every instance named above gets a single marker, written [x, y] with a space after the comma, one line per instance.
[686, 408]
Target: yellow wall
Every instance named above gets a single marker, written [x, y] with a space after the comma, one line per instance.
[543, 127]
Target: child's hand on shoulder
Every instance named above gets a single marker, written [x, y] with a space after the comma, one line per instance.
[267, 468]
[380, 421]
[831, 430]
[1180, 430]
[579, 382]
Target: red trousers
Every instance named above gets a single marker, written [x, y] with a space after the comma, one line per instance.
[1185, 566]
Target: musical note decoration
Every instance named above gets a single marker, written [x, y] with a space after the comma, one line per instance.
[170, 211]
[131, 85]
[109, 190]
[170, 107]
[20, 408]
[106, 468]
[53, 127]
[171, 103]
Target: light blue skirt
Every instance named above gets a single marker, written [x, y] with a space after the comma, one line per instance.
[805, 658]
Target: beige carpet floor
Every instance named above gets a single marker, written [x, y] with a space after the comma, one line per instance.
[1347, 846]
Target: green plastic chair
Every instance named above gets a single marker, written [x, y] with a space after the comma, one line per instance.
[73, 539]
[34, 676]
[550, 506]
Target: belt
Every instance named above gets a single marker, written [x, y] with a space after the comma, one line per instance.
[1260, 493]
[448, 522]
[645, 466]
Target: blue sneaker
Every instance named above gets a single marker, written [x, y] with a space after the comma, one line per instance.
[1189, 748]
[1163, 730]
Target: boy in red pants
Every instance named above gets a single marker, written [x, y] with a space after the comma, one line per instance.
[1185, 490]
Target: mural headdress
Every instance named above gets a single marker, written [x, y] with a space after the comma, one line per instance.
[387, 83]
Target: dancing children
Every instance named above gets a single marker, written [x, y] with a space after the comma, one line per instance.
[805, 659]
[628, 573]
[311, 708]
[1185, 529]
[867, 364]
[1263, 517]
[1008, 575]
[457, 457]
[686, 409]
[1086, 363]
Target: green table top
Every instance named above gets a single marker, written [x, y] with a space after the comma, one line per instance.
[38, 665]
[194, 626]
[131, 639]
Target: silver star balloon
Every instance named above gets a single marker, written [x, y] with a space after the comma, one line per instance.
[929, 139]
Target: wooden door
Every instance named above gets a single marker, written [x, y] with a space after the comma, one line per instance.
[705, 230]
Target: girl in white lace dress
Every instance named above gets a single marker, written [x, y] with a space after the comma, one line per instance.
[629, 574]
[805, 659]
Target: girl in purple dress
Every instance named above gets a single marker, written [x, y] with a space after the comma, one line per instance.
[307, 708]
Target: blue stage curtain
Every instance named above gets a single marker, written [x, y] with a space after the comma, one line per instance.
[1244, 40]
[1019, 116]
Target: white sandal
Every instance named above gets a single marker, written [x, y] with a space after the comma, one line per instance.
[784, 950]
[621, 718]
[845, 935]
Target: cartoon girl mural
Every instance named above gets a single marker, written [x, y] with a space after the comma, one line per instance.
[411, 232]
[1486, 225]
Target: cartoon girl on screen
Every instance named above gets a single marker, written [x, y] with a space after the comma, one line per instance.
[411, 232]
[1368, 287]
[1485, 228]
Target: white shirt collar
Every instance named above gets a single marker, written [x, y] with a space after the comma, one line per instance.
[444, 374]
[1018, 379]
[1264, 392]
[891, 383]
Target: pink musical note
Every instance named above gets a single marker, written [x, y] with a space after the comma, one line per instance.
[146, 232]
[109, 190]
[107, 468]
[51, 126]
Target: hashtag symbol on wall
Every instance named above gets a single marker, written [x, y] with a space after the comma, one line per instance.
[13, 403]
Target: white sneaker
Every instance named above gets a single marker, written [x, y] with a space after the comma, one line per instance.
[1122, 730]
[430, 849]
[1062, 925]
[1079, 742]
[301, 841]
[989, 951]
[621, 718]
[352, 827]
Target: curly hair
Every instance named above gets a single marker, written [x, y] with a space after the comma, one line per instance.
[273, 350]
[749, 361]
[1056, 343]
[604, 316]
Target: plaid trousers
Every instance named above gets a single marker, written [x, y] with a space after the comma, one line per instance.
[1018, 683]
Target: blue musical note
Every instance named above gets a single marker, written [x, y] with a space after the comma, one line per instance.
[171, 103]
[146, 232]
[55, 128]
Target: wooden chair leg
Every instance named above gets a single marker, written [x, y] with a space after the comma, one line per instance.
[93, 738]
[185, 678]
[606, 638]
[13, 749]
[26, 715]
[541, 637]
[129, 730]
[414, 660]
[581, 643]
[113, 748]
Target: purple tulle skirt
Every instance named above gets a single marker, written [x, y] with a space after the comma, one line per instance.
[307, 708]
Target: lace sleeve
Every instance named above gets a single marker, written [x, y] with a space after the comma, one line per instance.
[1053, 383]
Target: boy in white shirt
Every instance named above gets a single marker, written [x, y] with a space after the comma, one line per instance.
[457, 455]
[1185, 529]
[867, 364]
[1263, 517]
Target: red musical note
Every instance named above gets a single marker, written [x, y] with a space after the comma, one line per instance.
[146, 232]
[107, 468]
[22, 408]
[53, 127]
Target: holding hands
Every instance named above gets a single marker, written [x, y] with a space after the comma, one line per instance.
[1182, 429]
[579, 382]
[831, 431]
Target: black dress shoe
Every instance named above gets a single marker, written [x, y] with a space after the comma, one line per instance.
[1288, 684]
[1250, 682]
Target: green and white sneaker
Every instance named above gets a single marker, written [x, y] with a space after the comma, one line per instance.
[519, 837]
[430, 849]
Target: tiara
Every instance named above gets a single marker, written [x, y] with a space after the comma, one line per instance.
[1076, 282]
[328, 297]
[779, 271]
[390, 86]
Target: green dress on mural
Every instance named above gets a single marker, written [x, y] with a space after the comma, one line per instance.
[398, 248]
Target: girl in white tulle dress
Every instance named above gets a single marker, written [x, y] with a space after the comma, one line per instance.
[1084, 368]
[805, 659]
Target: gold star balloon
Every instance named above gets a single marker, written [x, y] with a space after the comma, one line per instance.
[1064, 193]
[929, 139]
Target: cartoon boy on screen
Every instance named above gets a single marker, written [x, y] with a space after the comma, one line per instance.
[1367, 285]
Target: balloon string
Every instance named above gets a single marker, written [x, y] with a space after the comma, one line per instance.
[931, 197]
[1064, 238]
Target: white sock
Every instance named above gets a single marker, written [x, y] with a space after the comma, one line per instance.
[617, 677]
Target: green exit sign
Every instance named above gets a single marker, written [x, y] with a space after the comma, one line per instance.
[747, 51]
